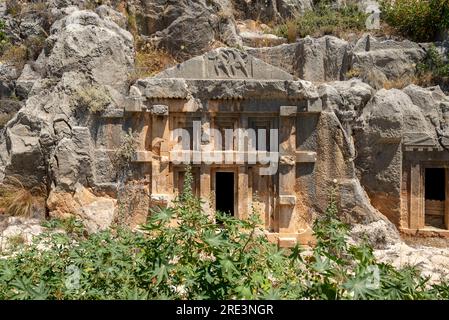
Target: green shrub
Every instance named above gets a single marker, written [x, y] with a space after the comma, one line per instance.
[71, 226]
[435, 62]
[434, 69]
[323, 20]
[418, 19]
[181, 253]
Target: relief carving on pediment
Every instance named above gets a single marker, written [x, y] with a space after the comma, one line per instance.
[230, 64]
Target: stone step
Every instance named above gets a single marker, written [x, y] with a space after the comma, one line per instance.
[287, 242]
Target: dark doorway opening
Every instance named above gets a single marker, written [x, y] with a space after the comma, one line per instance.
[435, 197]
[224, 192]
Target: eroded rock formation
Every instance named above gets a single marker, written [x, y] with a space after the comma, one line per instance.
[49, 141]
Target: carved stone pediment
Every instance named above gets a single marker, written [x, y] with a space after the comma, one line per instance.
[419, 139]
[225, 63]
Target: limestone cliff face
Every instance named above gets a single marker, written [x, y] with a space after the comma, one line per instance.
[49, 141]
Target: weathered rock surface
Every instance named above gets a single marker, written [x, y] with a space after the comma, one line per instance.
[187, 28]
[26, 81]
[107, 13]
[97, 213]
[392, 118]
[432, 262]
[385, 120]
[375, 61]
[259, 39]
[85, 43]
[49, 141]
[312, 59]
[269, 10]
[344, 102]
[18, 229]
[380, 61]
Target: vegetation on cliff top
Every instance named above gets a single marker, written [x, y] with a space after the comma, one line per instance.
[323, 20]
[434, 69]
[198, 259]
[416, 19]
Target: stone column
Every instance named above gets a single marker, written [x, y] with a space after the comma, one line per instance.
[287, 168]
[416, 210]
[242, 193]
[205, 188]
[162, 177]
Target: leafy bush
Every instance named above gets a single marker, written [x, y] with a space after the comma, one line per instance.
[417, 19]
[434, 70]
[181, 253]
[71, 226]
[323, 20]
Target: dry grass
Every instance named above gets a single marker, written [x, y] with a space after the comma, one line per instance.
[292, 32]
[151, 60]
[13, 7]
[16, 200]
[353, 73]
[400, 83]
[15, 55]
[17, 8]
[4, 118]
[94, 98]
[386, 30]
[425, 79]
